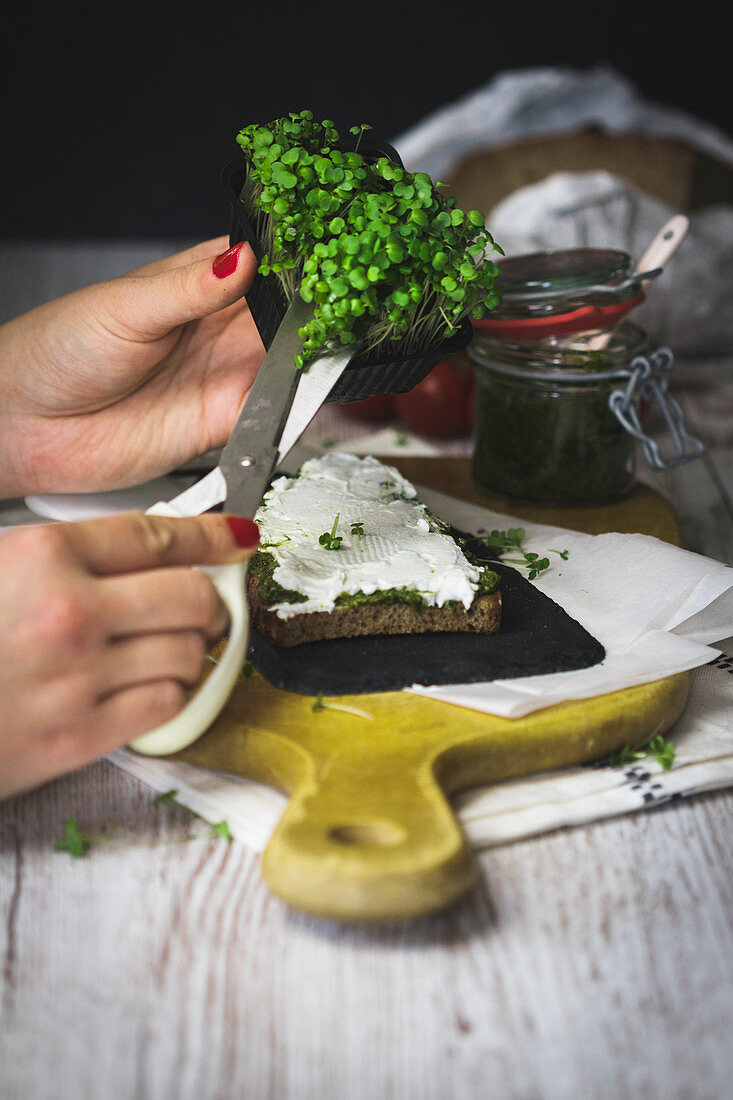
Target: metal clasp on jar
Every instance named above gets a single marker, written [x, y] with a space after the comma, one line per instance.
[649, 380]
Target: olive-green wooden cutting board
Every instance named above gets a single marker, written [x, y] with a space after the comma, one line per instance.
[368, 833]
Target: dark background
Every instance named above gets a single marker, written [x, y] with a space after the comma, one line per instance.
[122, 130]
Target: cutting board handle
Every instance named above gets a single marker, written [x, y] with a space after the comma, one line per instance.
[363, 843]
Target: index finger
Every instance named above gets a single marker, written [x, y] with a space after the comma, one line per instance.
[133, 541]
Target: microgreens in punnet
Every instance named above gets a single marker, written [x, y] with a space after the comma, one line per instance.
[388, 261]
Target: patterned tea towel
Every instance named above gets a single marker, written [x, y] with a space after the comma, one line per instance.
[519, 808]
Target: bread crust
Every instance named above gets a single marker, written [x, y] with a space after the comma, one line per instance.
[383, 617]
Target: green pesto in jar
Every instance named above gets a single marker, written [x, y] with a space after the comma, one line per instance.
[543, 428]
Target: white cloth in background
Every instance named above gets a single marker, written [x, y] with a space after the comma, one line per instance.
[690, 306]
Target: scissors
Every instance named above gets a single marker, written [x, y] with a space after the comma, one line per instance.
[281, 403]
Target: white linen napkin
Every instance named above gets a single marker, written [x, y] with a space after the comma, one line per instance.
[654, 607]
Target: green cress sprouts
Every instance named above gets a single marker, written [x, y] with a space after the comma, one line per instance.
[386, 259]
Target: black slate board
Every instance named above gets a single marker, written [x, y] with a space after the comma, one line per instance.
[537, 637]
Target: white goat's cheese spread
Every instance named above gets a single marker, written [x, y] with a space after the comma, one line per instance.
[389, 539]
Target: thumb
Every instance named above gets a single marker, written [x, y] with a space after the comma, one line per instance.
[152, 305]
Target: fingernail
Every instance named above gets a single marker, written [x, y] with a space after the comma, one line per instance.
[226, 263]
[246, 532]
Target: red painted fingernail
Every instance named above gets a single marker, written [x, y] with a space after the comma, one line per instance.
[246, 532]
[226, 263]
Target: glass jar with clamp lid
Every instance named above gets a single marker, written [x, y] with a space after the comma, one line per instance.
[561, 379]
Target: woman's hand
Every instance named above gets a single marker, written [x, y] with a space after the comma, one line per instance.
[126, 379]
[104, 628]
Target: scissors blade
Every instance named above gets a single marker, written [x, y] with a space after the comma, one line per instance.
[247, 486]
[204, 494]
[270, 426]
[280, 405]
[314, 387]
[250, 455]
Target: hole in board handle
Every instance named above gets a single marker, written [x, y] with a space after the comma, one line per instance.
[368, 834]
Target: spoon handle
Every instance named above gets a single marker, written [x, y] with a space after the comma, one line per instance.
[666, 242]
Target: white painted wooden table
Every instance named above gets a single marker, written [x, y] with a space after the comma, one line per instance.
[594, 964]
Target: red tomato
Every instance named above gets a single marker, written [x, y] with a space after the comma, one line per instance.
[442, 404]
[379, 407]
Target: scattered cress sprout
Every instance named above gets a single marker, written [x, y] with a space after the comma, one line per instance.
[71, 840]
[319, 704]
[664, 751]
[386, 259]
[503, 542]
[165, 796]
[77, 844]
[329, 540]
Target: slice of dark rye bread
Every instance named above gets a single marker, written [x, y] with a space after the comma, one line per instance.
[397, 611]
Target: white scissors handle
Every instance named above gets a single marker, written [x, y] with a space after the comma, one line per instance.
[208, 699]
